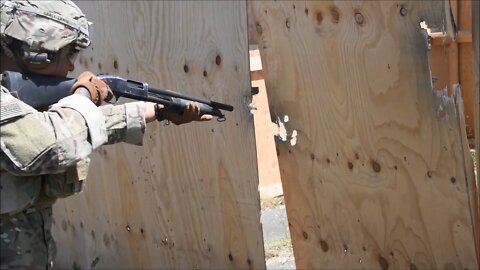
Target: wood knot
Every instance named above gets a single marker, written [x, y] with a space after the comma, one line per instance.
[335, 14]
[319, 17]
[359, 18]
[383, 263]
[324, 245]
[375, 166]
[258, 28]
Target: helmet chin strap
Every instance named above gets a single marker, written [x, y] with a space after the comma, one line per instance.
[60, 57]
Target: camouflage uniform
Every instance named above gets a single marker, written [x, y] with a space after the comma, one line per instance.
[44, 155]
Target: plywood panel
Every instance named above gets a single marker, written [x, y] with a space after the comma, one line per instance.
[476, 89]
[376, 175]
[189, 197]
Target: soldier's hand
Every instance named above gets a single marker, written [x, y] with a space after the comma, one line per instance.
[99, 91]
[190, 113]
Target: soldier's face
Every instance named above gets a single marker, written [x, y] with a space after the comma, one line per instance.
[58, 68]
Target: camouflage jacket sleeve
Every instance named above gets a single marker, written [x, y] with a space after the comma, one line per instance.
[125, 123]
[35, 142]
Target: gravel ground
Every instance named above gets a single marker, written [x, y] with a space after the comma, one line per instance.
[278, 246]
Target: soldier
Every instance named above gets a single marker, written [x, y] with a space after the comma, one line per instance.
[44, 155]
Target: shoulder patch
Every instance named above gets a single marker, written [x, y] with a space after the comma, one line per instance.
[10, 109]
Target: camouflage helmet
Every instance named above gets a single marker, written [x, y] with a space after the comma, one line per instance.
[44, 25]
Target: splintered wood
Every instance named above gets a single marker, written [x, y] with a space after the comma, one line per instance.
[377, 178]
[188, 198]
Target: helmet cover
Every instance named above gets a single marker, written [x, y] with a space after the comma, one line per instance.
[44, 25]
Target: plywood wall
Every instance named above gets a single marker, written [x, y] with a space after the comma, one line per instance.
[374, 171]
[476, 89]
[188, 198]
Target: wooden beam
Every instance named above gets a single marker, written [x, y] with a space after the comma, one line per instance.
[377, 176]
[187, 199]
[440, 39]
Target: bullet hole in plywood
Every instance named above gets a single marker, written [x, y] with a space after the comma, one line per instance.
[230, 257]
[306, 11]
[205, 73]
[413, 267]
[305, 235]
[293, 138]
[186, 68]
[350, 165]
[218, 60]
[453, 180]
[115, 64]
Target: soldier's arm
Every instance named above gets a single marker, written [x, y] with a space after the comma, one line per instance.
[35, 142]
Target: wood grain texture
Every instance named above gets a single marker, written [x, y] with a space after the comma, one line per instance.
[377, 177]
[189, 197]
